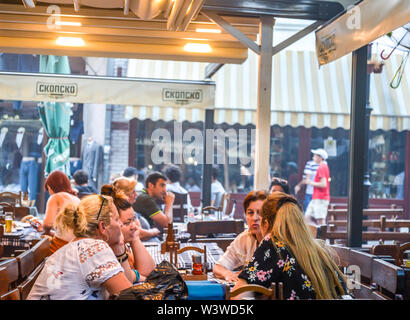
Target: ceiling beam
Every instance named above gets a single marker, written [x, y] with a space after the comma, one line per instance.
[297, 36]
[211, 69]
[130, 50]
[295, 9]
[232, 30]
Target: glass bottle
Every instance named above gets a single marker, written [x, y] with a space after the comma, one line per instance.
[196, 265]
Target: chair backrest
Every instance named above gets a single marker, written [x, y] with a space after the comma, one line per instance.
[180, 207]
[208, 227]
[11, 295]
[364, 261]
[270, 293]
[388, 277]
[4, 280]
[343, 254]
[1, 250]
[12, 271]
[25, 262]
[7, 207]
[41, 250]
[219, 200]
[403, 248]
[25, 287]
[387, 249]
[226, 197]
[11, 197]
[20, 212]
[192, 248]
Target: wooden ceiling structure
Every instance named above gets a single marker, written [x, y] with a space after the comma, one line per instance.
[145, 29]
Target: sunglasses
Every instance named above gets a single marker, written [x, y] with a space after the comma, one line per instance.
[280, 180]
[102, 204]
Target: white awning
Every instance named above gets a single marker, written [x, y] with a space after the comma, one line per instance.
[302, 95]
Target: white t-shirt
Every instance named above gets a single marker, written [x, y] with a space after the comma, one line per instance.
[239, 252]
[177, 188]
[216, 187]
[77, 271]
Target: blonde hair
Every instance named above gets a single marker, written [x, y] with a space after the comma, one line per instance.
[287, 224]
[82, 220]
[124, 184]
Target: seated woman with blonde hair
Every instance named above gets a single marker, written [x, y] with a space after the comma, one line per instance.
[92, 265]
[289, 254]
[61, 194]
[127, 185]
[138, 256]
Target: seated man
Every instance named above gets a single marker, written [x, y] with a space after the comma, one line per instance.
[241, 250]
[146, 205]
[173, 173]
[132, 173]
[81, 184]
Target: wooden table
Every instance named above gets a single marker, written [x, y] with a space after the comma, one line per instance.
[29, 237]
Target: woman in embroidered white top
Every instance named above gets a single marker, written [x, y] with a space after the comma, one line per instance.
[241, 250]
[94, 264]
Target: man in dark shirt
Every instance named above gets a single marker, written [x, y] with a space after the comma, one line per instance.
[81, 184]
[145, 204]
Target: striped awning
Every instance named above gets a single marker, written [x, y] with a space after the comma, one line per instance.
[302, 95]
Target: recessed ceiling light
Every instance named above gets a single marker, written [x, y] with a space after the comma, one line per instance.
[198, 47]
[208, 30]
[70, 42]
[68, 23]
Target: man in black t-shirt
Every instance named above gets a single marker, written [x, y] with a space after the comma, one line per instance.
[81, 184]
[145, 204]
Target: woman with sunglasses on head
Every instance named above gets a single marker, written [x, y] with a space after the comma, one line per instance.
[289, 254]
[127, 186]
[278, 184]
[61, 194]
[241, 250]
[138, 256]
[94, 264]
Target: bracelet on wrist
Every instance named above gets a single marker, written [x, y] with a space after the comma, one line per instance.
[123, 257]
[125, 251]
[137, 275]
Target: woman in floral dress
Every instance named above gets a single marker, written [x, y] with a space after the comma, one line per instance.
[289, 254]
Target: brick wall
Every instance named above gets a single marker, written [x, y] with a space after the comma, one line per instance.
[119, 140]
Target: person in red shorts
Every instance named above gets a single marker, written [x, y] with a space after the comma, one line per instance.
[317, 208]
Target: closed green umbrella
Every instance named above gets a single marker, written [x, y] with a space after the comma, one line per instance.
[55, 117]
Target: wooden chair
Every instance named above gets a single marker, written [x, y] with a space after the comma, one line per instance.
[180, 207]
[11, 295]
[389, 279]
[273, 293]
[25, 287]
[41, 250]
[7, 207]
[220, 207]
[214, 227]
[26, 264]
[12, 198]
[11, 274]
[1, 250]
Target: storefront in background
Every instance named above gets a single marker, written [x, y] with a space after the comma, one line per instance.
[310, 109]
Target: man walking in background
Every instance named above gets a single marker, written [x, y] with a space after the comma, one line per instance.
[317, 208]
[308, 173]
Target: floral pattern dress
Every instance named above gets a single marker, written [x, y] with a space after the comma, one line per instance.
[276, 263]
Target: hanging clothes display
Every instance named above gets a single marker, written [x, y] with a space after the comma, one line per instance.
[31, 165]
[92, 160]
